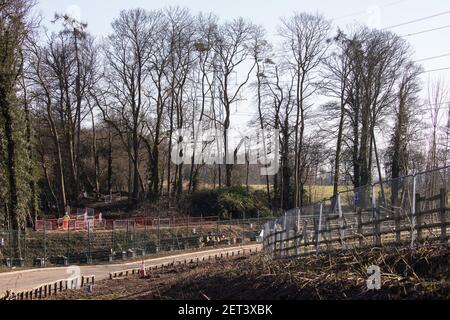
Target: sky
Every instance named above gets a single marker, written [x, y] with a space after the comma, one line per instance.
[376, 13]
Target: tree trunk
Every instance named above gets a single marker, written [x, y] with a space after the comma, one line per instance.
[110, 159]
[95, 155]
[337, 159]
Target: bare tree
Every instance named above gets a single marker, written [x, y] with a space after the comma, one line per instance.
[232, 41]
[338, 72]
[128, 52]
[306, 36]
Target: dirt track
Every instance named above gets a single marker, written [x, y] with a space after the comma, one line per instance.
[29, 279]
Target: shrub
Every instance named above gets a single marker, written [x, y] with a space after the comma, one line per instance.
[227, 203]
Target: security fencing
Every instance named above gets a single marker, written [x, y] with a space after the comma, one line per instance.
[409, 210]
[124, 241]
[94, 221]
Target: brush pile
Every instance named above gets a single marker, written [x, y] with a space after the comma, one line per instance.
[422, 273]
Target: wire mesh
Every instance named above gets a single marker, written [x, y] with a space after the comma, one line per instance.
[406, 210]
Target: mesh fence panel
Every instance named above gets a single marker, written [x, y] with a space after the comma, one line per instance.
[407, 210]
[90, 241]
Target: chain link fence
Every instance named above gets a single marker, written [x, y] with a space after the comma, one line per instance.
[409, 210]
[125, 240]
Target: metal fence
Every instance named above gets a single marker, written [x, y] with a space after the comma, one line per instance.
[83, 221]
[409, 210]
[123, 241]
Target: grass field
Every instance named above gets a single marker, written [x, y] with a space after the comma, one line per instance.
[317, 192]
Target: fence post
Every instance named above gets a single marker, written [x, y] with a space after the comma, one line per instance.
[68, 243]
[217, 234]
[24, 253]
[319, 228]
[89, 257]
[443, 212]
[127, 236]
[159, 235]
[243, 232]
[113, 238]
[11, 246]
[375, 214]
[305, 236]
[297, 232]
[274, 239]
[419, 218]
[134, 234]
[45, 243]
[360, 227]
[341, 222]
[284, 235]
[413, 213]
[145, 238]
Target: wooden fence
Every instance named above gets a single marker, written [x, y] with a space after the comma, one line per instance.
[295, 235]
[49, 289]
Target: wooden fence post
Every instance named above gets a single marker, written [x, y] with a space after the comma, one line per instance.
[297, 232]
[305, 236]
[397, 218]
[285, 237]
[341, 223]
[360, 227]
[443, 214]
[419, 218]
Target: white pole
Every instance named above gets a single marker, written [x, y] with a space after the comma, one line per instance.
[319, 227]
[413, 213]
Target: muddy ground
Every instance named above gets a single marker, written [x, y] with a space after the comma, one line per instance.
[406, 274]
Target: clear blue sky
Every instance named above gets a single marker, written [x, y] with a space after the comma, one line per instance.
[381, 13]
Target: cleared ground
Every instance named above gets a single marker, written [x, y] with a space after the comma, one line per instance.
[406, 274]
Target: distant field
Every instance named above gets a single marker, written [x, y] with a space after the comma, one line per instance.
[317, 192]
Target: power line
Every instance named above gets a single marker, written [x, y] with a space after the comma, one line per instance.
[426, 31]
[438, 104]
[418, 20]
[434, 70]
[432, 58]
